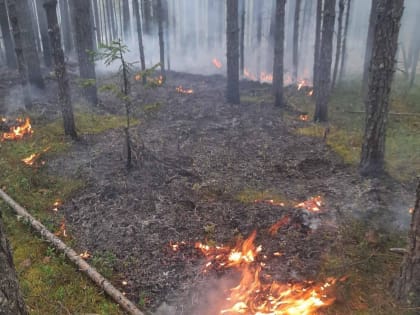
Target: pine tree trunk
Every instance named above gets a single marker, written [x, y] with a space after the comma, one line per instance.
[278, 75]
[95, 8]
[296, 41]
[344, 50]
[126, 20]
[136, 10]
[369, 43]
[317, 45]
[232, 47]
[416, 56]
[66, 26]
[7, 37]
[60, 69]
[11, 301]
[83, 32]
[161, 40]
[242, 38]
[147, 16]
[258, 12]
[24, 15]
[382, 68]
[20, 57]
[341, 5]
[43, 28]
[407, 286]
[324, 76]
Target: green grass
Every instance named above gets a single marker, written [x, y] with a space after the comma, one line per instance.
[347, 123]
[50, 284]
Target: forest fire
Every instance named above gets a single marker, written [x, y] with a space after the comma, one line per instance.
[270, 202]
[182, 90]
[257, 297]
[249, 75]
[217, 63]
[266, 77]
[62, 229]
[276, 226]
[313, 204]
[304, 117]
[30, 160]
[57, 203]
[85, 255]
[18, 132]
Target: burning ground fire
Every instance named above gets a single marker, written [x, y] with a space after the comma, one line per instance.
[262, 297]
[182, 90]
[217, 63]
[19, 131]
[32, 159]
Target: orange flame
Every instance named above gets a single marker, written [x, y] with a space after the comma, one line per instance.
[255, 297]
[57, 203]
[304, 117]
[217, 63]
[18, 132]
[411, 210]
[62, 230]
[313, 204]
[311, 92]
[266, 77]
[276, 226]
[137, 77]
[30, 160]
[181, 90]
[85, 255]
[249, 75]
[270, 202]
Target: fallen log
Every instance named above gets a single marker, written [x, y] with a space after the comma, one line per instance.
[91, 272]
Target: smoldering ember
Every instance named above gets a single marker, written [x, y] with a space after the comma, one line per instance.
[209, 157]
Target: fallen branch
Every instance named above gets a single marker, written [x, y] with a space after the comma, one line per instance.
[91, 272]
[401, 251]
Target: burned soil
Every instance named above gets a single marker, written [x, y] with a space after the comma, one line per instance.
[206, 171]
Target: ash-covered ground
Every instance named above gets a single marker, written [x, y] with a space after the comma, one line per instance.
[197, 161]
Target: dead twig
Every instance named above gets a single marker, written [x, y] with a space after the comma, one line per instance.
[91, 272]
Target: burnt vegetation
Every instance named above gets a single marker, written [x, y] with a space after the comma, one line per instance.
[209, 157]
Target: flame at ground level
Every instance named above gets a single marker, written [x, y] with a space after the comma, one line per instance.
[217, 63]
[254, 296]
[18, 132]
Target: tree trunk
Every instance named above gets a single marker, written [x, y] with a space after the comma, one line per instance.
[83, 32]
[296, 41]
[416, 55]
[7, 37]
[317, 44]
[341, 5]
[24, 16]
[95, 8]
[147, 16]
[11, 301]
[324, 76]
[278, 75]
[126, 20]
[242, 38]
[382, 68]
[66, 26]
[407, 286]
[232, 46]
[344, 50]
[369, 43]
[43, 28]
[20, 57]
[161, 40]
[259, 13]
[60, 69]
[136, 10]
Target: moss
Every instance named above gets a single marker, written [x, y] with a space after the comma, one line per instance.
[50, 285]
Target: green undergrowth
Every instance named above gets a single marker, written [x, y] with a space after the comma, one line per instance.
[360, 257]
[50, 284]
[346, 126]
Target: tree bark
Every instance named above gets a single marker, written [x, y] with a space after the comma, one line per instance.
[278, 75]
[126, 20]
[43, 28]
[147, 16]
[381, 72]
[161, 40]
[344, 51]
[242, 38]
[407, 286]
[369, 43]
[296, 41]
[7, 37]
[259, 13]
[20, 57]
[232, 46]
[83, 32]
[60, 69]
[317, 44]
[341, 5]
[136, 10]
[11, 301]
[98, 32]
[324, 76]
[66, 26]
[24, 16]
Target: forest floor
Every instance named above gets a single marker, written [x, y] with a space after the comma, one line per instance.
[213, 172]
